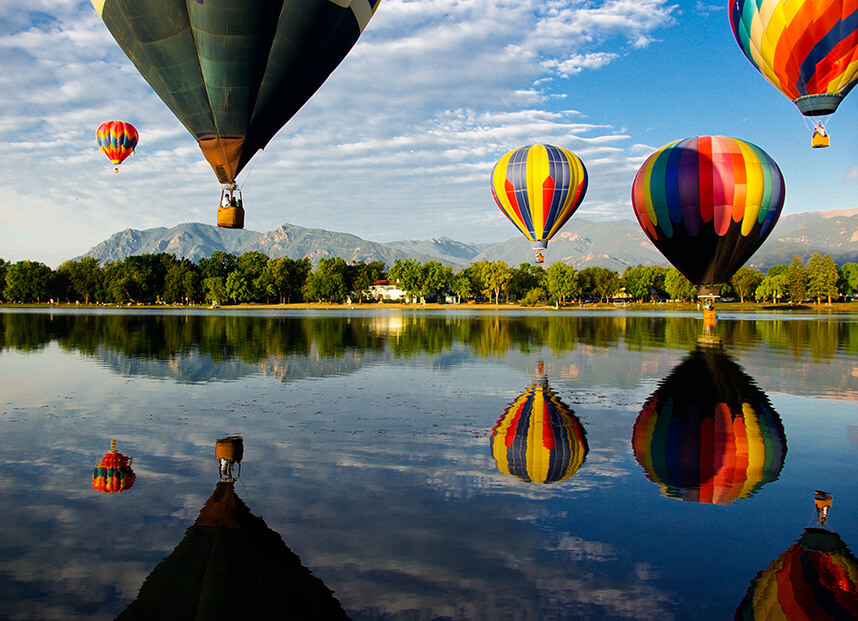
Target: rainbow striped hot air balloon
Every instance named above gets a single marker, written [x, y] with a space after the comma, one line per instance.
[816, 578]
[708, 203]
[539, 187]
[708, 434]
[113, 473]
[117, 140]
[538, 439]
[807, 49]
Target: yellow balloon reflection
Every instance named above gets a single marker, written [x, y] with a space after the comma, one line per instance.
[708, 434]
[816, 578]
[231, 565]
[538, 438]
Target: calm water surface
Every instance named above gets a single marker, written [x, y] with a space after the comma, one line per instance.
[418, 465]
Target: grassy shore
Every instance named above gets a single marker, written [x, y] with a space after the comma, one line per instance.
[667, 306]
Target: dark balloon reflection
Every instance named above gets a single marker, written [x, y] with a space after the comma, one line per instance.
[538, 438]
[708, 434]
[231, 565]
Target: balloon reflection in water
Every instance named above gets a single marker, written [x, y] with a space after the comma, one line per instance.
[231, 565]
[708, 434]
[816, 578]
[113, 473]
[538, 438]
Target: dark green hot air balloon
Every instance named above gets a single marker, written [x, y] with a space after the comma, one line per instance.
[235, 71]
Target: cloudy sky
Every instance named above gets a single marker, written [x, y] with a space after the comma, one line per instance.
[400, 141]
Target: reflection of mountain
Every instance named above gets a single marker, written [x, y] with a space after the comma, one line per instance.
[816, 578]
[230, 565]
[538, 438]
[708, 434]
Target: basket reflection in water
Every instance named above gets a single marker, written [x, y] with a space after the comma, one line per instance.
[708, 434]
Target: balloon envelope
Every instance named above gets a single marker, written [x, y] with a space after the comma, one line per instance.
[538, 187]
[117, 140]
[234, 72]
[538, 439]
[708, 434]
[808, 49]
[816, 578]
[708, 203]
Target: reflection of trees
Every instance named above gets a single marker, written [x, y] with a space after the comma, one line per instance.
[252, 338]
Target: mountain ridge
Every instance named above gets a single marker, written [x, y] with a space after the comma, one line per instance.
[615, 244]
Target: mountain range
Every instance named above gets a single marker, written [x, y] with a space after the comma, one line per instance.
[615, 244]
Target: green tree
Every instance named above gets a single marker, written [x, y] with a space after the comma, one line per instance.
[525, 278]
[181, 283]
[849, 275]
[246, 282]
[496, 277]
[407, 274]
[285, 278]
[28, 281]
[796, 276]
[463, 286]
[85, 277]
[435, 278]
[771, 288]
[328, 282]
[4, 266]
[822, 277]
[678, 287]
[745, 281]
[560, 281]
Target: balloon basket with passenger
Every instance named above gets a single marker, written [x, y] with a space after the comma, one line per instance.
[230, 214]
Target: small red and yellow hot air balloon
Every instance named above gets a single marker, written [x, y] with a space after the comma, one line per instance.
[117, 140]
[113, 473]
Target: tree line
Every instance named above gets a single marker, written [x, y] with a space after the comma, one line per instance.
[253, 277]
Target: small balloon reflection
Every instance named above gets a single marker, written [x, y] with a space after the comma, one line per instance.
[231, 565]
[113, 473]
[816, 578]
[538, 439]
[708, 434]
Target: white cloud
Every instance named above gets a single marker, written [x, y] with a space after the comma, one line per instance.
[398, 142]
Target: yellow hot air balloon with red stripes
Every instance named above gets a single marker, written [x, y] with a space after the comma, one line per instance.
[538, 187]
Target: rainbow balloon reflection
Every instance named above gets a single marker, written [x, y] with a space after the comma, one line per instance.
[113, 473]
[538, 438]
[708, 434]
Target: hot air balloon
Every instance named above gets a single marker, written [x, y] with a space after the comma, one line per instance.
[117, 140]
[113, 473]
[807, 49]
[538, 187]
[708, 203]
[538, 439]
[708, 434]
[234, 72]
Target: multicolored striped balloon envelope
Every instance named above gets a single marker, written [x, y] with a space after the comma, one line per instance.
[708, 434]
[808, 49]
[539, 187]
[816, 578]
[117, 140]
[538, 438]
[113, 473]
[708, 203]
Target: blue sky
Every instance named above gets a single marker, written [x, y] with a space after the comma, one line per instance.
[400, 141]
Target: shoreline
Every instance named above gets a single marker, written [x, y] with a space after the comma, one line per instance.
[667, 306]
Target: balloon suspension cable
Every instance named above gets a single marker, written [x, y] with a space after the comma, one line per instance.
[822, 500]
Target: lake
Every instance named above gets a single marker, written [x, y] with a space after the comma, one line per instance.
[389, 464]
